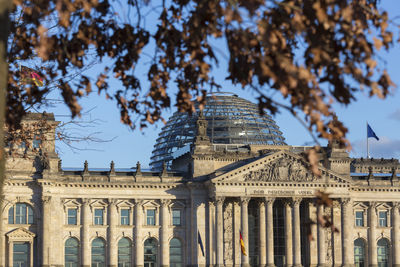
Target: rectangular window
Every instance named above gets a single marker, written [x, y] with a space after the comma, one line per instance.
[125, 217]
[383, 219]
[176, 217]
[151, 217]
[359, 218]
[73, 216]
[98, 216]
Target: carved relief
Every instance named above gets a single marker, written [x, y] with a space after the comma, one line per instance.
[228, 233]
[282, 169]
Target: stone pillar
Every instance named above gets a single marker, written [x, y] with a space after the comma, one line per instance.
[337, 239]
[263, 234]
[111, 233]
[138, 238]
[372, 246]
[347, 231]
[10, 252]
[270, 232]
[237, 228]
[164, 232]
[188, 233]
[313, 247]
[31, 253]
[288, 232]
[219, 213]
[2, 232]
[86, 221]
[296, 233]
[321, 237]
[244, 202]
[396, 234]
[46, 233]
[211, 232]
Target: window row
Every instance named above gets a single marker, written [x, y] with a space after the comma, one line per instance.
[125, 216]
[98, 253]
[22, 213]
[360, 255]
[383, 218]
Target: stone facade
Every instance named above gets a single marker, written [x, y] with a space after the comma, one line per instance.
[130, 217]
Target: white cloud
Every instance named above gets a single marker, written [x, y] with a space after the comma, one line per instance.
[395, 115]
[384, 148]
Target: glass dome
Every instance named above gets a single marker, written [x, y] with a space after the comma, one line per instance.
[231, 120]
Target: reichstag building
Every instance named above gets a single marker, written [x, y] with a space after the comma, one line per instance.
[224, 189]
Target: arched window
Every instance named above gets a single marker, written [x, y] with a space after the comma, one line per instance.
[124, 253]
[98, 253]
[150, 252]
[359, 253]
[20, 213]
[383, 252]
[175, 253]
[71, 252]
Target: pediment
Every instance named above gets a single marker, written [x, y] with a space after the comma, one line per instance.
[71, 203]
[98, 203]
[20, 234]
[177, 204]
[124, 203]
[360, 206]
[281, 166]
[151, 204]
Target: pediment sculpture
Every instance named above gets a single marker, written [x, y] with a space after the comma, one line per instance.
[282, 169]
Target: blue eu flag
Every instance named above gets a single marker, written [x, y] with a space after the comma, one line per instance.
[371, 133]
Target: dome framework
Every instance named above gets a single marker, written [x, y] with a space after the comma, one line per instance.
[231, 120]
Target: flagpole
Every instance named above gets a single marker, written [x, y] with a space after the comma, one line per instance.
[367, 142]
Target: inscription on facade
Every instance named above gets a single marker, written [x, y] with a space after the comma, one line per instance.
[279, 192]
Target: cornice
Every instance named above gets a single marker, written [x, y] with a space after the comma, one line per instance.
[139, 185]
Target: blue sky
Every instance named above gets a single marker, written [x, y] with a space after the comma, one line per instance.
[128, 147]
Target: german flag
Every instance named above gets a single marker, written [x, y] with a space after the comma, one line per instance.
[242, 244]
[30, 76]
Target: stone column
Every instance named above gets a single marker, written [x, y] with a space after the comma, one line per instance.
[244, 202]
[138, 238]
[2, 232]
[296, 233]
[337, 240]
[313, 244]
[111, 233]
[372, 246]
[211, 232]
[347, 231]
[270, 232]
[189, 242]
[86, 221]
[263, 234]
[396, 234]
[46, 234]
[10, 252]
[321, 237]
[288, 232]
[164, 232]
[31, 253]
[236, 230]
[219, 202]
